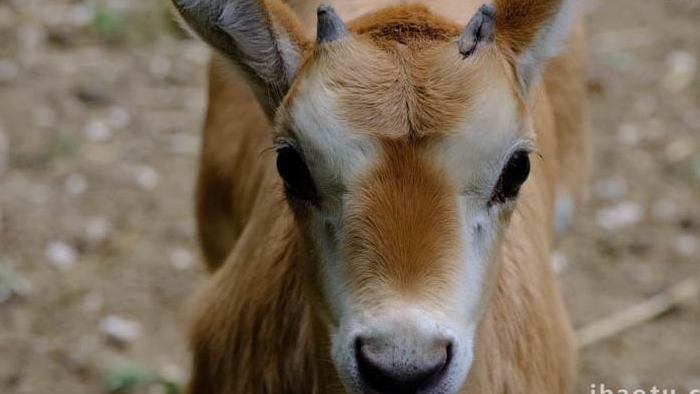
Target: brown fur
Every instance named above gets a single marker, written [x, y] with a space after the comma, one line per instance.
[400, 89]
[401, 226]
[519, 21]
[258, 324]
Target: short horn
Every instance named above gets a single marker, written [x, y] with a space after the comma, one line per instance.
[480, 29]
[330, 27]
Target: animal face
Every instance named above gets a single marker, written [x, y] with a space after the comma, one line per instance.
[403, 141]
[403, 162]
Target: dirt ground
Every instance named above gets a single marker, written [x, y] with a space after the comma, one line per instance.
[101, 103]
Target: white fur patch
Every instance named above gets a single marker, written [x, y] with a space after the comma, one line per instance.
[474, 154]
[336, 157]
[334, 153]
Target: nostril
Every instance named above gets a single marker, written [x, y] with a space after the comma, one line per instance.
[385, 369]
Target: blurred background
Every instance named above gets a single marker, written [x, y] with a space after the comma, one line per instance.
[101, 105]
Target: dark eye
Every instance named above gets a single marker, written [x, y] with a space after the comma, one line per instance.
[296, 176]
[514, 174]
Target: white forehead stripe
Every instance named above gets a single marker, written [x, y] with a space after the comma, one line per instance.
[477, 147]
[331, 148]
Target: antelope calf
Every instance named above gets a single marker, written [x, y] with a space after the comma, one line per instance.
[399, 239]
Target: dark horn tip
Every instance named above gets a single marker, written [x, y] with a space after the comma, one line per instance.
[488, 9]
[324, 8]
[330, 26]
[480, 29]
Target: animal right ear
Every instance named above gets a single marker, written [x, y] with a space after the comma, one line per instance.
[263, 38]
[529, 32]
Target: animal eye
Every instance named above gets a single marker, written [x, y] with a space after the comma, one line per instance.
[295, 174]
[514, 174]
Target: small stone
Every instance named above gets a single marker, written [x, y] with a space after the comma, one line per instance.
[173, 373]
[687, 245]
[98, 131]
[628, 134]
[624, 214]
[610, 189]
[12, 285]
[98, 229]
[75, 184]
[182, 259]
[559, 262]
[120, 330]
[681, 70]
[146, 177]
[8, 70]
[61, 255]
[118, 117]
[680, 149]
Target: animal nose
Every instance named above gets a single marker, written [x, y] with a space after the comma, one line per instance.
[389, 366]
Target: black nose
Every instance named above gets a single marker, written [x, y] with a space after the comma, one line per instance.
[386, 368]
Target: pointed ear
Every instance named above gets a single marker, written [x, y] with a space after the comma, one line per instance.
[532, 32]
[263, 38]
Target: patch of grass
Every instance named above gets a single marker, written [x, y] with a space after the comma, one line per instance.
[12, 284]
[143, 22]
[126, 379]
[58, 147]
[109, 26]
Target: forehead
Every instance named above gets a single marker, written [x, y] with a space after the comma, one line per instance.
[401, 74]
[400, 77]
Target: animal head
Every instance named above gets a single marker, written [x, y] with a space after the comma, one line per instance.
[403, 140]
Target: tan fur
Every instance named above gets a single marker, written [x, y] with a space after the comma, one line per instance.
[259, 322]
[224, 197]
[411, 52]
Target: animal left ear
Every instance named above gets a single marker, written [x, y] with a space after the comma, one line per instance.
[530, 32]
[263, 38]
